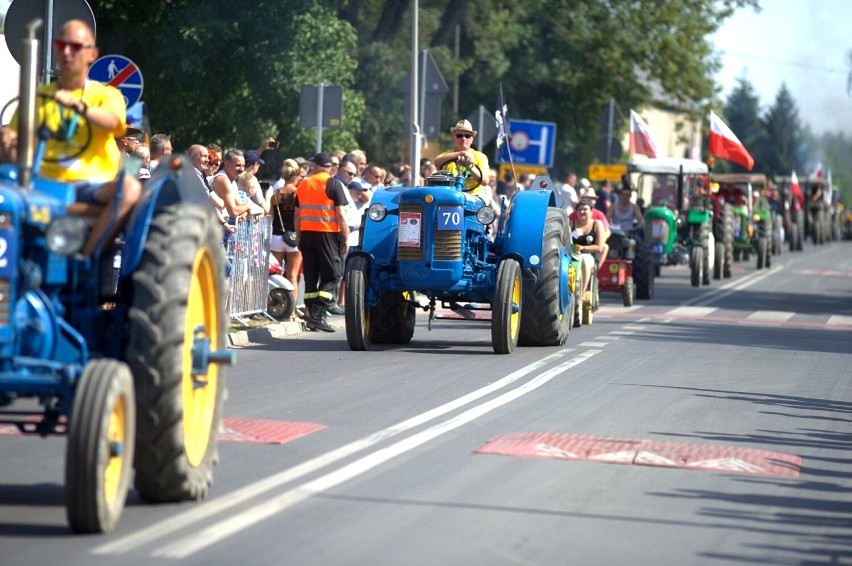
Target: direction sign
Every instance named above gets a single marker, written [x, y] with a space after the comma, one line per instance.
[120, 72]
[603, 172]
[532, 143]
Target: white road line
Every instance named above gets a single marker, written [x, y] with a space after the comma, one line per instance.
[691, 311]
[771, 316]
[609, 338]
[839, 320]
[613, 309]
[622, 332]
[217, 532]
[592, 344]
[633, 327]
[203, 511]
[733, 286]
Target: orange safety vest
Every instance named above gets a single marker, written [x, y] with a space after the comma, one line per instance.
[316, 211]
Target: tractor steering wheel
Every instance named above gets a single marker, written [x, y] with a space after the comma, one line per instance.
[466, 172]
[74, 145]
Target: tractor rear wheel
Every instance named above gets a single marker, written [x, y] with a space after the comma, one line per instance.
[101, 440]
[628, 294]
[358, 316]
[643, 271]
[506, 307]
[546, 316]
[178, 306]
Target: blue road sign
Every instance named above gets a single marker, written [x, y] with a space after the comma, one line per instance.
[120, 72]
[533, 143]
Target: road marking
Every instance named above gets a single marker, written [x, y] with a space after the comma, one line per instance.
[614, 309]
[691, 311]
[592, 344]
[609, 338]
[633, 327]
[622, 332]
[839, 320]
[770, 316]
[212, 534]
[205, 510]
[733, 286]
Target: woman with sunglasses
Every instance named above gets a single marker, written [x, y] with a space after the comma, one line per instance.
[463, 156]
[586, 233]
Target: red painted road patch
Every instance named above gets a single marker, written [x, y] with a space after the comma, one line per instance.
[666, 454]
[234, 429]
[262, 431]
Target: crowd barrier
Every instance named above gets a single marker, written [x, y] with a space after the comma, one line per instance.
[247, 265]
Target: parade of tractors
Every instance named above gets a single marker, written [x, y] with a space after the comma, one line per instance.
[123, 350]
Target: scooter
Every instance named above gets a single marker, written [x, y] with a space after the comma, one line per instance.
[281, 300]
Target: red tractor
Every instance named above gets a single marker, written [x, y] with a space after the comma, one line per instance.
[629, 267]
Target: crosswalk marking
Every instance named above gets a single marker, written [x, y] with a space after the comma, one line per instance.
[691, 311]
[839, 320]
[592, 344]
[773, 316]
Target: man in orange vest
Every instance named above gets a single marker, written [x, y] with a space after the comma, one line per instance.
[322, 234]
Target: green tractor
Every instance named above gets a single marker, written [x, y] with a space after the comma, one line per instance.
[678, 214]
[752, 215]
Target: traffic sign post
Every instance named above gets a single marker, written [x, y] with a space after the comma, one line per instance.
[532, 143]
[120, 72]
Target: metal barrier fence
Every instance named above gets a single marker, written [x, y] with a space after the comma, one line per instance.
[247, 259]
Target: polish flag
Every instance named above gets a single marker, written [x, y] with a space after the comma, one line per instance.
[641, 140]
[724, 144]
[796, 190]
[817, 172]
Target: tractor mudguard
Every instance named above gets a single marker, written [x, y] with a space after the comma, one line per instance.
[523, 229]
[697, 216]
[172, 182]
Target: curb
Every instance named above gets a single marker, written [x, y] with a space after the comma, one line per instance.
[278, 330]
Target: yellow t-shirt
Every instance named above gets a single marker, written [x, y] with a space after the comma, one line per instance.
[101, 160]
[480, 160]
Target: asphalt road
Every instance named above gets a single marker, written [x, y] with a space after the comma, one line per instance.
[706, 426]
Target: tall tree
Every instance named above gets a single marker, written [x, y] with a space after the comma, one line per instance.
[779, 155]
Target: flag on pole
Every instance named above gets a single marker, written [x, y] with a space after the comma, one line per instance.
[817, 172]
[641, 140]
[725, 144]
[796, 190]
[501, 115]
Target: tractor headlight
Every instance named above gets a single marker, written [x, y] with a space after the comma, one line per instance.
[377, 212]
[66, 234]
[485, 215]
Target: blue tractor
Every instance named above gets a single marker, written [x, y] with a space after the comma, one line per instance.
[432, 241]
[121, 349]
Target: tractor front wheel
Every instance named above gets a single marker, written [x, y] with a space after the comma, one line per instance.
[506, 308]
[358, 316]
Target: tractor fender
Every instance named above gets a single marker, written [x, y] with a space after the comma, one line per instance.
[695, 216]
[523, 229]
[174, 181]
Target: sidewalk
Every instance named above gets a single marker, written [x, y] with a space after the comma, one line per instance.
[267, 331]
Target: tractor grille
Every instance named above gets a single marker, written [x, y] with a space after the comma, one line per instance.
[411, 252]
[447, 245]
[5, 296]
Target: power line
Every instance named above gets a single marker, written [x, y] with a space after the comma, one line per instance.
[785, 62]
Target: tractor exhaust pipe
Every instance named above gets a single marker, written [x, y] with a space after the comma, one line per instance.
[27, 103]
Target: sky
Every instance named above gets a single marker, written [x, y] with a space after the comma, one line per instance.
[802, 43]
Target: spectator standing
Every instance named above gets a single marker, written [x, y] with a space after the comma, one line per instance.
[142, 153]
[359, 158]
[253, 161]
[128, 142]
[161, 144]
[567, 193]
[198, 155]
[322, 233]
[605, 198]
[283, 244]
[214, 160]
[224, 184]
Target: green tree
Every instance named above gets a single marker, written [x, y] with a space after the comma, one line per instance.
[784, 136]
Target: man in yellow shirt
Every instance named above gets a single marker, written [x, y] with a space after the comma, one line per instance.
[76, 110]
[463, 156]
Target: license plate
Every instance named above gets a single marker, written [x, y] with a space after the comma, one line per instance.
[657, 248]
[658, 230]
[450, 218]
[8, 258]
[409, 229]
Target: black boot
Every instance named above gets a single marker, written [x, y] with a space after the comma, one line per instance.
[317, 320]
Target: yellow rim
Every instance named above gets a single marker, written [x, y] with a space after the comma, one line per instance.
[116, 433]
[199, 403]
[515, 316]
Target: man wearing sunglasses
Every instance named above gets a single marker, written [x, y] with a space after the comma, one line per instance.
[76, 109]
[464, 156]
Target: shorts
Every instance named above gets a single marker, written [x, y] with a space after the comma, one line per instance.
[86, 192]
[276, 244]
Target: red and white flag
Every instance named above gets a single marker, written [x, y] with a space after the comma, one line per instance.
[641, 140]
[724, 144]
[817, 172]
[796, 190]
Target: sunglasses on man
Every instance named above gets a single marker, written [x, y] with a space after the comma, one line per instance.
[74, 46]
[465, 136]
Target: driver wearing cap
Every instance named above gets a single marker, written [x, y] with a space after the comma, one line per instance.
[463, 156]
